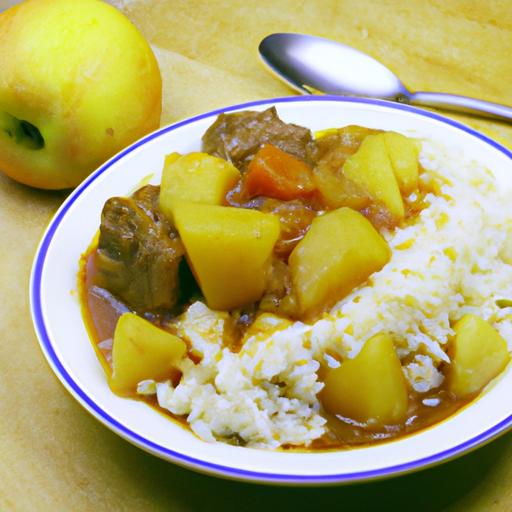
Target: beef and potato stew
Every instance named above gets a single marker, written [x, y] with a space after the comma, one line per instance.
[269, 227]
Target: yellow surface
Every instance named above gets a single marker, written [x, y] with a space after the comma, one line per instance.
[370, 168]
[54, 456]
[142, 351]
[403, 153]
[371, 388]
[195, 177]
[227, 245]
[322, 272]
[89, 102]
[480, 354]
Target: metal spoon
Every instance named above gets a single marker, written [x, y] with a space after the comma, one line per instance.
[308, 63]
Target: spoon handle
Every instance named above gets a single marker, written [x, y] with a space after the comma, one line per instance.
[461, 104]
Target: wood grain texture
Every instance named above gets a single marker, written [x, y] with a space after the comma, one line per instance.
[54, 456]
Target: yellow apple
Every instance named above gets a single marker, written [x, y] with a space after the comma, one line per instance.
[78, 83]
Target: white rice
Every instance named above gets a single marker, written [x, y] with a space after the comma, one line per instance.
[456, 258]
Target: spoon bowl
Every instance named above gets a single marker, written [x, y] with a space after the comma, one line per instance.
[308, 62]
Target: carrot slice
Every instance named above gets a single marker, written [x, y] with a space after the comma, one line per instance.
[275, 173]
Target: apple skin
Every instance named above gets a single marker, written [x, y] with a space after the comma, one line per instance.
[84, 76]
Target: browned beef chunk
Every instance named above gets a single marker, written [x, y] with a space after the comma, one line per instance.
[237, 137]
[138, 252]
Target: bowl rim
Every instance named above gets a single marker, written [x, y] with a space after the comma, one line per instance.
[196, 464]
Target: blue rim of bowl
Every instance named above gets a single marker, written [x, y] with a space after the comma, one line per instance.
[191, 462]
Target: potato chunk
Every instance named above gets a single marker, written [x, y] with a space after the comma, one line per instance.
[195, 177]
[334, 146]
[479, 355]
[403, 154]
[228, 249]
[338, 253]
[336, 190]
[370, 168]
[142, 351]
[370, 388]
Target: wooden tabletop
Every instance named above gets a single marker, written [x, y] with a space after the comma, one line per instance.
[54, 455]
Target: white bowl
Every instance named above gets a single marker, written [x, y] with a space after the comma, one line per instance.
[65, 343]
